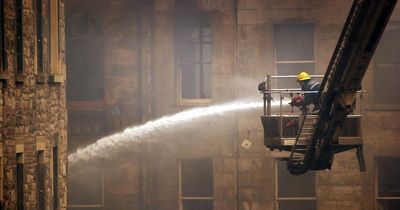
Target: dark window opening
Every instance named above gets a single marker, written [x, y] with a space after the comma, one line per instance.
[387, 68]
[389, 177]
[195, 58]
[20, 181]
[388, 204]
[1, 184]
[91, 125]
[2, 38]
[294, 51]
[85, 59]
[19, 36]
[39, 36]
[388, 180]
[85, 186]
[48, 29]
[298, 205]
[55, 178]
[193, 51]
[197, 204]
[41, 168]
[295, 192]
[197, 184]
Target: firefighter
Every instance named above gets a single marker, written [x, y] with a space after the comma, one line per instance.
[307, 84]
[302, 101]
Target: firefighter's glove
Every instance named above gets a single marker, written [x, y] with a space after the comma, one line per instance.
[292, 123]
[297, 101]
[261, 87]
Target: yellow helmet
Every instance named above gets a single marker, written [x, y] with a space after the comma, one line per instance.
[303, 76]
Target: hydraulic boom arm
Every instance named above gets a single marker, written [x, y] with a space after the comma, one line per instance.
[360, 35]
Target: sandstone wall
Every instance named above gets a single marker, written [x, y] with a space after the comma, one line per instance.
[34, 114]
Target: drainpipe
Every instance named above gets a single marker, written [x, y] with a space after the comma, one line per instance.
[236, 136]
[146, 26]
[140, 66]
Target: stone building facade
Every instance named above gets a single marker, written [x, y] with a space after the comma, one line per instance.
[33, 105]
[130, 62]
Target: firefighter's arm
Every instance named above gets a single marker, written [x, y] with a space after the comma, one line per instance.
[297, 101]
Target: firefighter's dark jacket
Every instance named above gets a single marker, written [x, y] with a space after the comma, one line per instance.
[310, 98]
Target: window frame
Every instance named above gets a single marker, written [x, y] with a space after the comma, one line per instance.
[3, 58]
[89, 67]
[376, 179]
[179, 63]
[1, 175]
[93, 205]
[39, 20]
[20, 162]
[181, 197]
[41, 178]
[274, 43]
[278, 198]
[55, 169]
[55, 71]
[19, 37]
[373, 104]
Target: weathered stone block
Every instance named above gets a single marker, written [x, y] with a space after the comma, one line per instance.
[250, 194]
[256, 205]
[224, 205]
[167, 193]
[340, 193]
[224, 180]
[164, 5]
[224, 165]
[342, 205]
[342, 179]
[247, 16]
[224, 193]
[254, 4]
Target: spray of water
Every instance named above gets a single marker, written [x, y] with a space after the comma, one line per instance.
[136, 133]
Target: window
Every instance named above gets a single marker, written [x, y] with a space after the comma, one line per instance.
[196, 184]
[55, 177]
[39, 36]
[195, 63]
[85, 187]
[1, 181]
[294, 51]
[54, 38]
[40, 181]
[193, 53]
[2, 38]
[387, 68]
[388, 183]
[294, 192]
[85, 58]
[20, 181]
[19, 36]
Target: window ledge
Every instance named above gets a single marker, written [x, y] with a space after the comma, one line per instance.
[19, 78]
[4, 76]
[191, 102]
[40, 79]
[56, 78]
[388, 198]
[383, 107]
